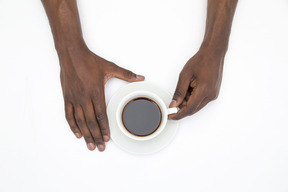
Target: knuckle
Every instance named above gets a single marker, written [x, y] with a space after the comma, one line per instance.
[213, 95]
[69, 117]
[183, 74]
[190, 111]
[95, 94]
[100, 116]
[180, 92]
[103, 129]
[91, 124]
[67, 98]
[111, 64]
[80, 121]
[128, 74]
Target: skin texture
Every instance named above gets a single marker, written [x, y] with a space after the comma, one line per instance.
[84, 74]
[200, 79]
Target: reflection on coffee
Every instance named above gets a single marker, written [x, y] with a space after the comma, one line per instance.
[141, 116]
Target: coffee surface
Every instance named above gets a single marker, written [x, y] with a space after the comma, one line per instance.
[141, 116]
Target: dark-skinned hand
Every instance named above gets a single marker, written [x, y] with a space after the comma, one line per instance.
[199, 83]
[83, 76]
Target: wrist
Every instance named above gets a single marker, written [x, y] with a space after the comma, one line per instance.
[69, 54]
[217, 47]
[63, 46]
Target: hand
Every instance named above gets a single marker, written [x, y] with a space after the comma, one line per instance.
[199, 83]
[83, 76]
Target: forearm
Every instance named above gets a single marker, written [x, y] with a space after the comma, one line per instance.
[218, 24]
[65, 23]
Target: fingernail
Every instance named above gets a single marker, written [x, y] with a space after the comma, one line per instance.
[173, 103]
[100, 147]
[140, 77]
[91, 146]
[78, 135]
[106, 138]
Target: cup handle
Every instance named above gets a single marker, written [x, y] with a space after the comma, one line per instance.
[172, 110]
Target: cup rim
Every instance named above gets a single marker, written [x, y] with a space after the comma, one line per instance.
[132, 96]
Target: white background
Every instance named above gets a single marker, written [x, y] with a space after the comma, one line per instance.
[237, 143]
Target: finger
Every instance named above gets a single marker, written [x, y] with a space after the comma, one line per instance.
[127, 75]
[180, 92]
[192, 104]
[80, 120]
[101, 115]
[93, 126]
[69, 113]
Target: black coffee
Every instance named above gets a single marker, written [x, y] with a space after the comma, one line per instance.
[141, 116]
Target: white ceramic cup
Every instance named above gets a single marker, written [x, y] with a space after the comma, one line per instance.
[164, 111]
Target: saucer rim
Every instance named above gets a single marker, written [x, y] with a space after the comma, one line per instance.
[171, 126]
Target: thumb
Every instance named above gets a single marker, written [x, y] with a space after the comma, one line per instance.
[180, 92]
[127, 75]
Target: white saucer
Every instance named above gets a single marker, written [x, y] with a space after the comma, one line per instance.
[131, 145]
